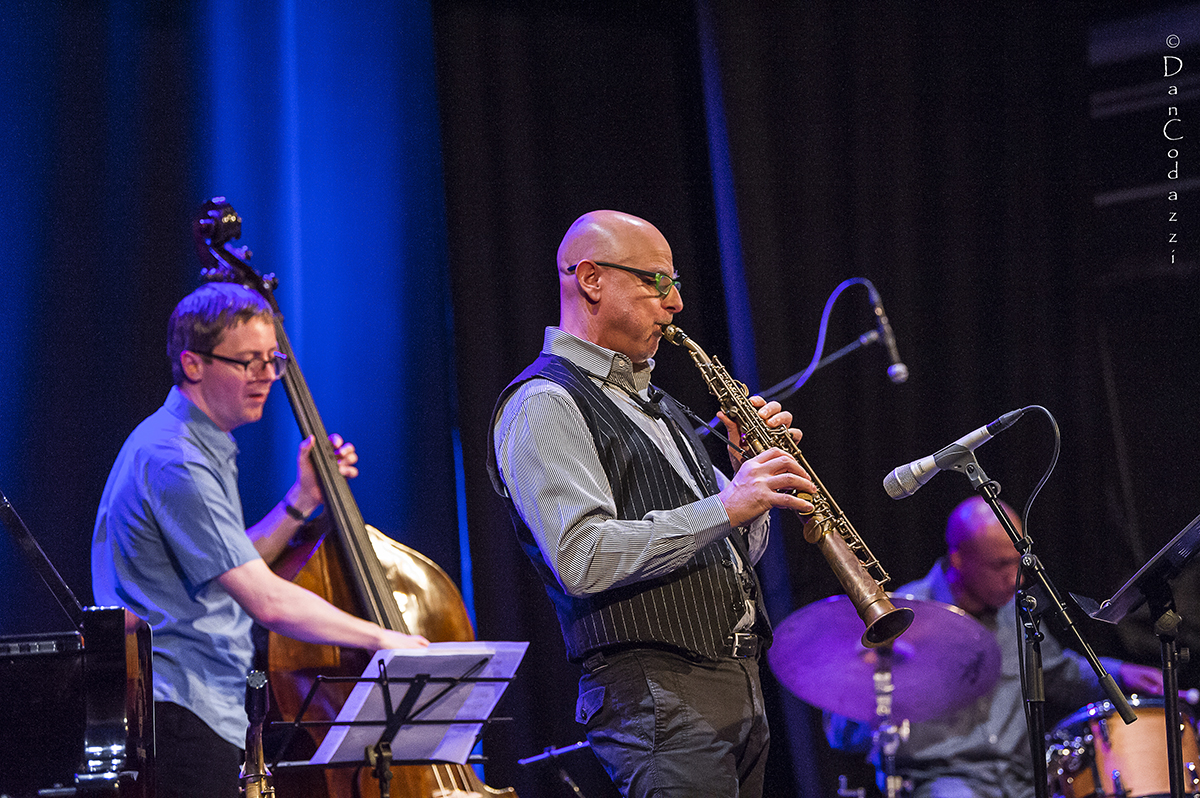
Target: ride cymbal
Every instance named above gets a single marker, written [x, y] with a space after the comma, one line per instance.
[945, 660]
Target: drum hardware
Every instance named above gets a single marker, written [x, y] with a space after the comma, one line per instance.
[885, 742]
[1091, 757]
[819, 657]
[887, 737]
[1103, 728]
[844, 790]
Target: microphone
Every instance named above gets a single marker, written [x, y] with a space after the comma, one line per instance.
[905, 480]
[897, 372]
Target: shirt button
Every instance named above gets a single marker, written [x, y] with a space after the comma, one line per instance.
[993, 739]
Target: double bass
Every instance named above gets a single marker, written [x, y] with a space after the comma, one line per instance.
[352, 565]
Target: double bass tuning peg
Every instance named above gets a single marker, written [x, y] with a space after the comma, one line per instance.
[217, 222]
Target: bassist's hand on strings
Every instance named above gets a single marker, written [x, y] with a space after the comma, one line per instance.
[306, 494]
[285, 524]
[281, 605]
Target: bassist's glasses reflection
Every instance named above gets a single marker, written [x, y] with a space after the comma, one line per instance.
[274, 367]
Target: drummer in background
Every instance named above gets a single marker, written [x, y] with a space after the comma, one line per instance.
[982, 750]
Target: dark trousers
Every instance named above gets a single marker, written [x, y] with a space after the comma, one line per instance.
[189, 757]
[670, 727]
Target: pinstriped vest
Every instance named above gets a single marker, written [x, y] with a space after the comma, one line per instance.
[695, 607]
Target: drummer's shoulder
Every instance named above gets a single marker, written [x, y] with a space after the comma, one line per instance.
[920, 590]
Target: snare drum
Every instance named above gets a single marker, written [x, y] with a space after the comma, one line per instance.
[1094, 753]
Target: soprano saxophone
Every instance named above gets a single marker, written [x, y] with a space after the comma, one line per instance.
[827, 526]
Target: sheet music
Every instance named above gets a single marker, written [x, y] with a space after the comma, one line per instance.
[468, 700]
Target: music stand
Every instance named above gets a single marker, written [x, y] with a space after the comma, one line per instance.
[1152, 585]
[449, 691]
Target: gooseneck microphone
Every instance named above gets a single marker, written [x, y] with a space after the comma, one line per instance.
[897, 372]
[907, 479]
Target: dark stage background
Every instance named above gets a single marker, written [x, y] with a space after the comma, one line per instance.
[1001, 174]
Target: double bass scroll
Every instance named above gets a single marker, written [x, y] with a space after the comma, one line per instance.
[350, 564]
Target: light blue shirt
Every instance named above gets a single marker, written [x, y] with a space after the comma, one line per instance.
[170, 522]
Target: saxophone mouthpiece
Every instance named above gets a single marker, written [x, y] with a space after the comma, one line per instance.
[671, 333]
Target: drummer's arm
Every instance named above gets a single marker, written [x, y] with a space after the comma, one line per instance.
[1136, 678]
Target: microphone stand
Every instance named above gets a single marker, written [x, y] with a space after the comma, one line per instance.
[553, 754]
[1033, 687]
[779, 390]
[783, 390]
[1166, 628]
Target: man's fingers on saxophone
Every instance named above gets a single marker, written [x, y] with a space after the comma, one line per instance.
[773, 413]
[786, 477]
[734, 433]
[766, 480]
[782, 461]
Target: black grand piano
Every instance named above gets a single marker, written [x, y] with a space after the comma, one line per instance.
[76, 707]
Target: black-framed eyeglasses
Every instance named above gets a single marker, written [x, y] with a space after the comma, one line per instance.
[275, 365]
[662, 282]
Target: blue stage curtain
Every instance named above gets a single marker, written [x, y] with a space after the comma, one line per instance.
[324, 136]
[320, 125]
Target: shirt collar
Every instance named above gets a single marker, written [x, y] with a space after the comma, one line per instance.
[602, 363]
[204, 427]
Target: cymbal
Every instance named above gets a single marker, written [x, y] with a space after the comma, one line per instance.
[944, 661]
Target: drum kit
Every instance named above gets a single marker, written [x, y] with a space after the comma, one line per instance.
[945, 661]
[1092, 754]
